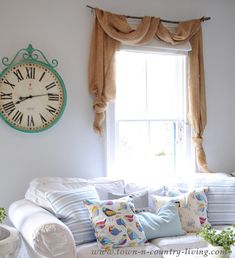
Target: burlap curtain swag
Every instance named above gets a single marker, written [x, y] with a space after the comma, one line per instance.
[111, 30]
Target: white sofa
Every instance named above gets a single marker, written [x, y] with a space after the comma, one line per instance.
[45, 236]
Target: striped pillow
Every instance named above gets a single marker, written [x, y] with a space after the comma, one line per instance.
[221, 199]
[69, 208]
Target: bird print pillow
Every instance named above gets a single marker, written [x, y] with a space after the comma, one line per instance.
[192, 208]
[200, 200]
[115, 224]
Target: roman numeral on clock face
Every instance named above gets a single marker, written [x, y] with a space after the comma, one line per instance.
[18, 116]
[8, 83]
[51, 109]
[42, 76]
[9, 107]
[18, 75]
[43, 119]
[53, 97]
[51, 85]
[30, 72]
[30, 121]
[5, 95]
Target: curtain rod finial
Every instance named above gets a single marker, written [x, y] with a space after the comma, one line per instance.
[204, 18]
[90, 7]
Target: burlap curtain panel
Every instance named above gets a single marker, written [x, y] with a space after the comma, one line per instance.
[111, 30]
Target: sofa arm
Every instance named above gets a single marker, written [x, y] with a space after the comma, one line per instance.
[43, 232]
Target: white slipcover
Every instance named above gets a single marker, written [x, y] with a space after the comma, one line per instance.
[44, 233]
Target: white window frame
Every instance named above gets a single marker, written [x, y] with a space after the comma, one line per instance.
[111, 128]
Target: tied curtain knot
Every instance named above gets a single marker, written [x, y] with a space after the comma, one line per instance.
[200, 154]
[99, 107]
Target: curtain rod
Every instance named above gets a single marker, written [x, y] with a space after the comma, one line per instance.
[202, 19]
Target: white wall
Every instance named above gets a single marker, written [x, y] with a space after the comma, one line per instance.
[61, 29]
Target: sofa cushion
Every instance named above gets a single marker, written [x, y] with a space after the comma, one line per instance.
[179, 242]
[115, 223]
[165, 223]
[91, 250]
[69, 208]
[39, 186]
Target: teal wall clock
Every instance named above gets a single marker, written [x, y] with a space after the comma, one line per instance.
[32, 93]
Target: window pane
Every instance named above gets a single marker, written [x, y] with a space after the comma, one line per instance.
[131, 85]
[132, 149]
[133, 140]
[146, 148]
[162, 146]
[162, 86]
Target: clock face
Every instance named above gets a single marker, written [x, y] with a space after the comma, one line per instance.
[32, 96]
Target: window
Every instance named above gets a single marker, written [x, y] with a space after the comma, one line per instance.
[147, 133]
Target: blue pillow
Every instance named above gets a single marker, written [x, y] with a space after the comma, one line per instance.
[165, 223]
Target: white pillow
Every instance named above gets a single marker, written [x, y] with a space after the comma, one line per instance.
[39, 186]
[106, 186]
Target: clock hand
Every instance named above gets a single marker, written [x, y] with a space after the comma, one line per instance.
[23, 99]
[30, 97]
